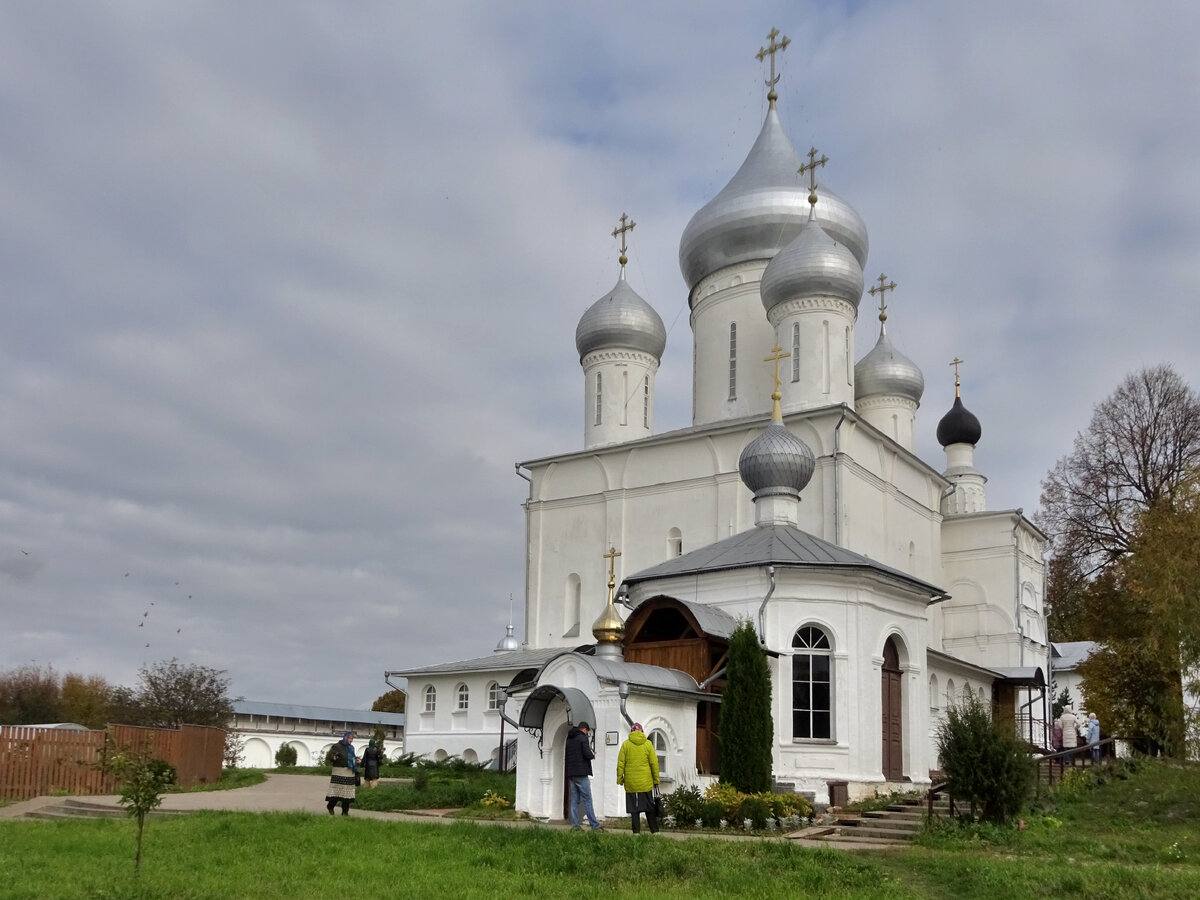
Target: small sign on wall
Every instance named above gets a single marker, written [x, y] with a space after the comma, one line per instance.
[611, 738]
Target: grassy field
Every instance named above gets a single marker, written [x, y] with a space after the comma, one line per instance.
[1130, 837]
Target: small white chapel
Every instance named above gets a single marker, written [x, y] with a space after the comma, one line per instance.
[881, 586]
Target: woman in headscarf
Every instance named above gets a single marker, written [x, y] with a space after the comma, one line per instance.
[344, 775]
[372, 757]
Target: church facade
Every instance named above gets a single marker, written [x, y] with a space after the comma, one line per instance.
[880, 585]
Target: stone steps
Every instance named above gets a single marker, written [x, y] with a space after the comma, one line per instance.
[895, 826]
[74, 808]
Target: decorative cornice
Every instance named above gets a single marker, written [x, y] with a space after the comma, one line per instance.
[819, 303]
[599, 357]
[882, 401]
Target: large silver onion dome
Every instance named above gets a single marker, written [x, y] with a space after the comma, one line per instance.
[814, 263]
[885, 371]
[761, 210]
[776, 462]
[621, 319]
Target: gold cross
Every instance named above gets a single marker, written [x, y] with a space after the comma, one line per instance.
[883, 287]
[611, 556]
[811, 168]
[956, 362]
[770, 50]
[776, 355]
[621, 231]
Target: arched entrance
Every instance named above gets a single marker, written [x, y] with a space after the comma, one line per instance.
[893, 731]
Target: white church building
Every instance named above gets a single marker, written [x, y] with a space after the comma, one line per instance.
[881, 586]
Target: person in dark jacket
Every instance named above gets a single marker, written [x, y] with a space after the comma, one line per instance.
[343, 776]
[579, 756]
[371, 760]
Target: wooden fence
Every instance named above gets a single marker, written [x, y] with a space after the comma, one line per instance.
[39, 761]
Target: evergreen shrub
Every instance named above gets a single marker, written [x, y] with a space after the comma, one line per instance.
[285, 756]
[986, 763]
[711, 813]
[756, 811]
[684, 804]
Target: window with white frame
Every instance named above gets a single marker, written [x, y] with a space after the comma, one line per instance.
[658, 741]
[674, 543]
[463, 694]
[812, 684]
[493, 694]
[733, 360]
[599, 397]
[430, 698]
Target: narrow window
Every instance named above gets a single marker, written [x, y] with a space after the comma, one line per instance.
[572, 603]
[625, 397]
[430, 698]
[849, 358]
[659, 741]
[825, 374]
[464, 697]
[599, 398]
[494, 695]
[646, 401]
[795, 351]
[812, 684]
[732, 360]
[674, 543]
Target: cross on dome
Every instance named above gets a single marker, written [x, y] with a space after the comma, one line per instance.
[627, 225]
[811, 168]
[770, 50]
[881, 289]
[777, 353]
[956, 362]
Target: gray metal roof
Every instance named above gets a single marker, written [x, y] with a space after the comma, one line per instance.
[496, 662]
[776, 462]
[711, 619]
[636, 675]
[317, 713]
[621, 319]
[1066, 655]
[774, 545]
[885, 370]
[813, 264]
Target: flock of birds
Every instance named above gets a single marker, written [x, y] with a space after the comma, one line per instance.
[146, 615]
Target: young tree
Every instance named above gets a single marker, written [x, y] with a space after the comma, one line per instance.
[1142, 443]
[143, 782]
[746, 728]
[172, 694]
[987, 765]
[392, 701]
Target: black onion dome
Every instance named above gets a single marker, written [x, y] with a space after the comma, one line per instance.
[776, 462]
[959, 426]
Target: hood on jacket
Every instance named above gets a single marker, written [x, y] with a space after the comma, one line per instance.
[637, 738]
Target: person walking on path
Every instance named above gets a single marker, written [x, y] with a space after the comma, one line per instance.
[579, 756]
[1093, 736]
[343, 779]
[371, 760]
[637, 770]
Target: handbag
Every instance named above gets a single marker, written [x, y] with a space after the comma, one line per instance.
[357, 779]
[656, 802]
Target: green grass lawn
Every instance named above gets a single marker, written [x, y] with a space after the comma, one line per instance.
[1131, 837]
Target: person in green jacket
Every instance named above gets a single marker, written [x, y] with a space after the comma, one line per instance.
[637, 771]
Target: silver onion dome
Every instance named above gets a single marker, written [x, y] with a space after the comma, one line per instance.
[621, 319]
[761, 210]
[776, 462]
[508, 643]
[959, 426]
[813, 263]
[885, 371]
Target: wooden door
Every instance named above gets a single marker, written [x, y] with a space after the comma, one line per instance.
[893, 733]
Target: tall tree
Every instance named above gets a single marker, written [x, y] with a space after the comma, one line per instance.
[171, 694]
[85, 700]
[746, 729]
[392, 701]
[1141, 444]
[30, 695]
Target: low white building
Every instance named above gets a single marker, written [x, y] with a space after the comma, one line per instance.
[311, 730]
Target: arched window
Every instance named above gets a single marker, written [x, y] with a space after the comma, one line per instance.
[658, 741]
[464, 697]
[430, 698]
[674, 543]
[493, 694]
[950, 698]
[646, 401]
[599, 397]
[733, 360]
[933, 693]
[812, 684]
[625, 397]
[795, 351]
[572, 603]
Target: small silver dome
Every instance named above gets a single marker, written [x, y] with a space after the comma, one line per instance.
[761, 210]
[814, 263]
[621, 319]
[776, 462]
[887, 371]
[508, 643]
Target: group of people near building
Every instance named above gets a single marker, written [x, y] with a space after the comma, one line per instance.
[1072, 731]
[345, 777]
[637, 772]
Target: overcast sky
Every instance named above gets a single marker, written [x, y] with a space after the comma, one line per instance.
[289, 287]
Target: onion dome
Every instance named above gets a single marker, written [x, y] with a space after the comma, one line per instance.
[621, 319]
[813, 263]
[508, 643]
[959, 426]
[885, 371]
[761, 210]
[776, 462]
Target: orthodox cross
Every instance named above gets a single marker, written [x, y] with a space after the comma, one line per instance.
[770, 50]
[621, 231]
[956, 362]
[883, 287]
[611, 556]
[811, 168]
[776, 355]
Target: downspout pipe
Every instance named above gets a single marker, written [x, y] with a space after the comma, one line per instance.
[1017, 585]
[623, 691]
[711, 678]
[503, 714]
[528, 512]
[762, 626]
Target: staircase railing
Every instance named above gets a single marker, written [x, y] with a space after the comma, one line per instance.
[1053, 766]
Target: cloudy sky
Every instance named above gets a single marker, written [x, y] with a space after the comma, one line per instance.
[289, 287]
